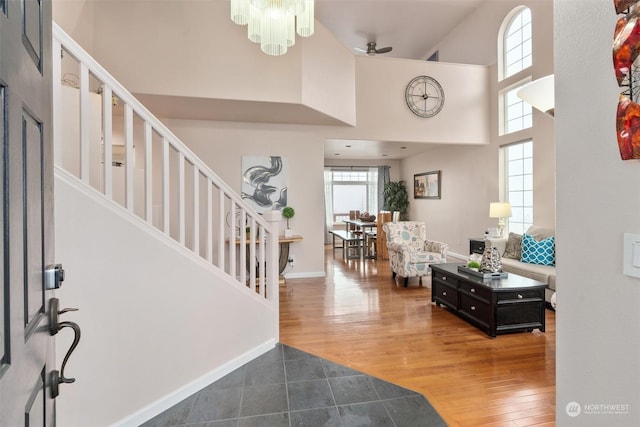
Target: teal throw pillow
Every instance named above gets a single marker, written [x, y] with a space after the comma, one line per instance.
[538, 252]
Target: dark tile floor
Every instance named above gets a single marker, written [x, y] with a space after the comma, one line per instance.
[288, 387]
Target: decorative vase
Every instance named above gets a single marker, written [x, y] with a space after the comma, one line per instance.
[288, 232]
[491, 260]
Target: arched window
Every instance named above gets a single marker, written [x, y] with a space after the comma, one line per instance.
[516, 42]
[514, 56]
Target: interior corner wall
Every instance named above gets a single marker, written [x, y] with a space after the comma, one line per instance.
[483, 24]
[468, 181]
[221, 145]
[475, 39]
[597, 334]
[323, 80]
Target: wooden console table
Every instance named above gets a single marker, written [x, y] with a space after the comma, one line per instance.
[496, 306]
[284, 251]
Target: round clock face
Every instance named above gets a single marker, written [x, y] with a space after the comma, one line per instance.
[424, 96]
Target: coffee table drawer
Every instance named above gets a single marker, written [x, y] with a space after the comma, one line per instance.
[523, 294]
[448, 295]
[475, 309]
[476, 291]
[451, 281]
[527, 315]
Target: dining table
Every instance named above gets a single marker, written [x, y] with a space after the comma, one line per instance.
[366, 235]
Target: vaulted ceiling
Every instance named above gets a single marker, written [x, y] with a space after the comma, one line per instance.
[411, 27]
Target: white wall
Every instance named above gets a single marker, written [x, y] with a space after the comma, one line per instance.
[150, 315]
[222, 145]
[474, 40]
[328, 77]
[394, 165]
[124, 31]
[168, 49]
[382, 112]
[598, 339]
[470, 174]
[192, 49]
[483, 24]
[469, 181]
[77, 19]
[470, 169]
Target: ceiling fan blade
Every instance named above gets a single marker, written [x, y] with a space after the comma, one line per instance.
[371, 49]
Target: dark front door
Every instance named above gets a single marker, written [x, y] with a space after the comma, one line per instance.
[26, 213]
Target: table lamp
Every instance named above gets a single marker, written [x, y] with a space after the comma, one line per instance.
[501, 211]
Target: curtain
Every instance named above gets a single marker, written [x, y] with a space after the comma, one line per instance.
[374, 192]
[328, 204]
[372, 195]
[383, 179]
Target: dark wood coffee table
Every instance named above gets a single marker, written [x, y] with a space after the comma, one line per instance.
[496, 306]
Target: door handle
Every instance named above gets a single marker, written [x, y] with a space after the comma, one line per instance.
[55, 326]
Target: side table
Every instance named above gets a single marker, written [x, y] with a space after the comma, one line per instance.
[476, 245]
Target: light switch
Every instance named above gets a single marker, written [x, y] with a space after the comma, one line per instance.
[636, 254]
[631, 255]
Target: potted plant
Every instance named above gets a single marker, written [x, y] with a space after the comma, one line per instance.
[288, 212]
[473, 265]
[396, 198]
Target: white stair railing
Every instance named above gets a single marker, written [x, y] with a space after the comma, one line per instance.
[153, 175]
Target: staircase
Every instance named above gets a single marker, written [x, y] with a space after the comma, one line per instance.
[156, 250]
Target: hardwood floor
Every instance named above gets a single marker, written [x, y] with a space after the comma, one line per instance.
[359, 317]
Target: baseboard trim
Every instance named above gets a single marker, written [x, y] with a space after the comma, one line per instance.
[305, 275]
[457, 256]
[161, 405]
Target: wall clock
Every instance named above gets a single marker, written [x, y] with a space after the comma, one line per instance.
[424, 96]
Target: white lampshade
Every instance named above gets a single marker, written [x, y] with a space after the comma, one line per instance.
[540, 94]
[240, 11]
[499, 210]
[291, 30]
[305, 20]
[273, 28]
[253, 29]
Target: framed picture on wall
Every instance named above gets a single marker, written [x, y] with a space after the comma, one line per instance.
[264, 182]
[427, 185]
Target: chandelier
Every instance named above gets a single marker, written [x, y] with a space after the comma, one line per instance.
[274, 23]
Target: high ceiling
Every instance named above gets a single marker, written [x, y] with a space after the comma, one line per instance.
[411, 27]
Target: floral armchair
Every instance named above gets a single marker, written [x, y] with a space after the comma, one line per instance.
[410, 253]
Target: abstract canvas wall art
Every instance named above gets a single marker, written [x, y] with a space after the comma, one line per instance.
[264, 182]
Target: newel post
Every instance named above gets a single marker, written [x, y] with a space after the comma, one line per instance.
[273, 267]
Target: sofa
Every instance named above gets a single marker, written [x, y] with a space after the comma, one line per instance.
[519, 265]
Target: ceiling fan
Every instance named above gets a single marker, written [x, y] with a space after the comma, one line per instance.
[371, 49]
